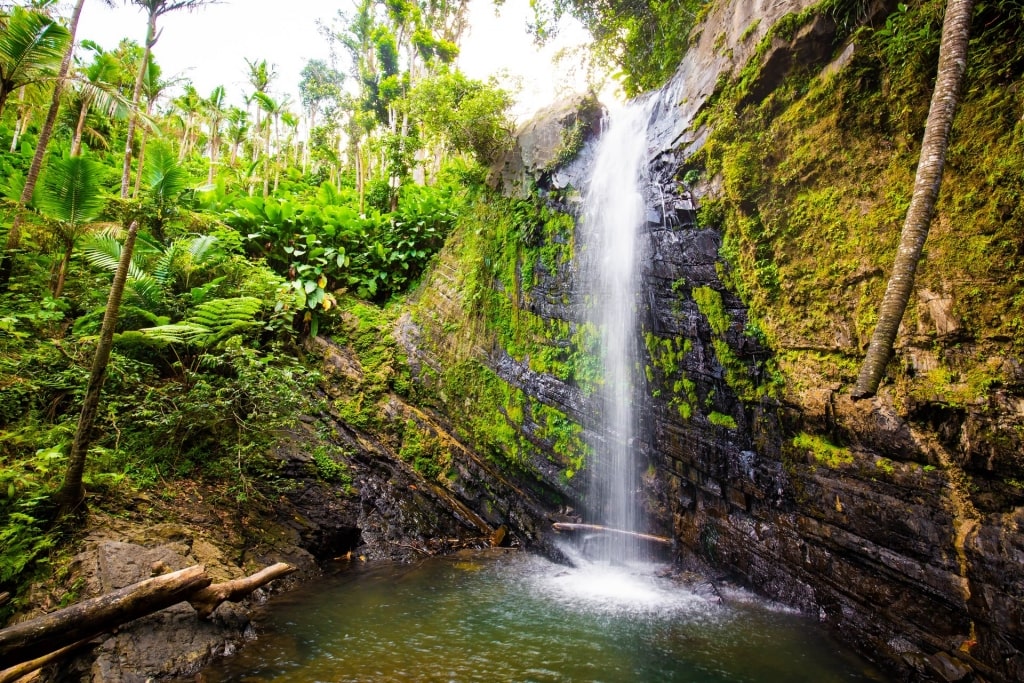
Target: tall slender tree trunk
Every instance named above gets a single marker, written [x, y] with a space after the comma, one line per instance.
[126, 170]
[360, 178]
[141, 164]
[14, 235]
[266, 162]
[72, 492]
[62, 272]
[956, 29]
[76, 143]
[21, 122]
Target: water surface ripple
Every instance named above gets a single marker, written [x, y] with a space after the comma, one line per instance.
[515, 617]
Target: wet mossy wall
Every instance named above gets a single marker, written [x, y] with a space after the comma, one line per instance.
[896, 520]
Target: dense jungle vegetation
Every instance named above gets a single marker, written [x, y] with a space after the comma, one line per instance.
[258, 226]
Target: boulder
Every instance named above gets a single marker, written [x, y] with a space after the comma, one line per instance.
[552, 138]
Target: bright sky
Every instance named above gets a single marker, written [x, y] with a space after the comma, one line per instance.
[210, 46]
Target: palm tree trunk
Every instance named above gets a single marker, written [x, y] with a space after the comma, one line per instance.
[126, 170]
[21, 122]
[72, 492]
[214, 148]
[14, 235]
[62, 272]
[956, 28]
[141, 165]
[76, 144]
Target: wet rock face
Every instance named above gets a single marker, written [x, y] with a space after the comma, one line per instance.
[877, 539]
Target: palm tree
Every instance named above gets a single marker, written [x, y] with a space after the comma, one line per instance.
[100, 73]
[32, 45]
[191, 105]
[238, 130]
[72, 492]
[214, 105]
[269, 106]
[10, 41]
[154, 10]
[261, 75]
[165, 180]
[27, 101]
[956, 28]
[70, 199]
[153, 88]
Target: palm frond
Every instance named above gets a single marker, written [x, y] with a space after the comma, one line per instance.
[210, 323]
[164, 176]
[31, 46]
[105, 99]
[176, 333]
[104, 251]
[201, 247]
[146, 291]
[163, 268]
[70, 191]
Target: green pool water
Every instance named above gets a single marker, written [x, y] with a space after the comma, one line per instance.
[517, 617]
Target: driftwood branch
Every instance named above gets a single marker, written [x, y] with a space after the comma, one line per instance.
[208, 599]
[52, 632]
[42, 635]
[25, 668]
[568, 526]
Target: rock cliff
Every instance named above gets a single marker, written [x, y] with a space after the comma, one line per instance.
[895, 520]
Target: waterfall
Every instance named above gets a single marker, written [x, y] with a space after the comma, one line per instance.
[613, 212]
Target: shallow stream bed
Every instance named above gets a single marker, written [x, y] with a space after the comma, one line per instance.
[516, 617]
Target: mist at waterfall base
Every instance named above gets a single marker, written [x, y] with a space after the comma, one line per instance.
[503, 616]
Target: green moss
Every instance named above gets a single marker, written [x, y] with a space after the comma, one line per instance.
[816, 181]
[823, 450]
[331, 467]
[722, 420]
[886, 466]
[710, 304]
[749, 31]
[666, 372]
[427, 454]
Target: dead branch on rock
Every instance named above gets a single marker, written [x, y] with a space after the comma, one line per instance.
[569, 526]
[53, 632]
[208, 599]
[25, 668]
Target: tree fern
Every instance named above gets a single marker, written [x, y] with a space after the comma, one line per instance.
[211, 323]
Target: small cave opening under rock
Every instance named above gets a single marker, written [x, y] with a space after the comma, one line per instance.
[331, 544]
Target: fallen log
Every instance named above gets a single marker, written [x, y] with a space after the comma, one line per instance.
[570, 526]
[43, 635]
[25, 668]
[208, 599]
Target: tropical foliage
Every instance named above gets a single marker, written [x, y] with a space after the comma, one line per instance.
[253, 221]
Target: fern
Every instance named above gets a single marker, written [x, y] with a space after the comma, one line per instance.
[211, 323]
[219, 313]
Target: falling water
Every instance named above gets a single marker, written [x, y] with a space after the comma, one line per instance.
[613, 212]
